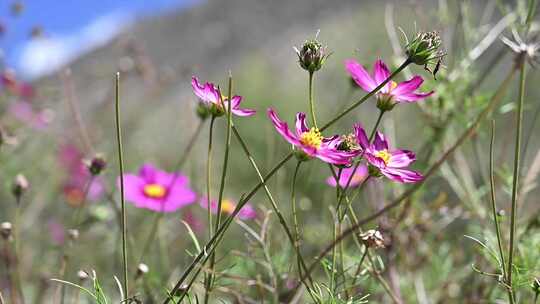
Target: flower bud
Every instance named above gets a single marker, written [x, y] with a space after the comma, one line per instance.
[312, 55]
[142, 269]
[424, 48]
[372, 239]
[73, 234]
[20, 185]
[82, 275]
[96, 165]
[5, 230]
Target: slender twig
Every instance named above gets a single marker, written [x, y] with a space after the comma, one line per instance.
[295, 218]
[208, 276]
[517, 160]
[122, 197]
[358, 269]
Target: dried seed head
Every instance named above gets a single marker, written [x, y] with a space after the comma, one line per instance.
[525, 49]
[20, 185]
[312, 55]
[82, 275]
[73, 234]
[142, 269]
[96, 165]
[372, 239]
[5, 230]
[424, 50]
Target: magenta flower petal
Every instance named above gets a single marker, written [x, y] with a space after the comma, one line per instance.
[361, 136]
[282, 128]
[412, 97]
[235, 107]
[301, 125]
[380, 141]
[401, 158]
[360, 75]
[133, 190]
[227, 206]
[408, 86]
[381, 72]
[402, 175]
[207, 93]
[359, 176]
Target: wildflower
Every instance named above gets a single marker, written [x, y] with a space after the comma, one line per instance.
[312, 55]
[5, 230]
[228, 206]
[372, 239]
[157, 190]
[9, 81]
[527, 49]
[213, 102]
[359, 176]
[392, 92]
[310, 142]
[20, 185]
[35, 119]
[75, 187]
[382, 160]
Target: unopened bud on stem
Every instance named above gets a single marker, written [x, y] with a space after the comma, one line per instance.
[312, 55]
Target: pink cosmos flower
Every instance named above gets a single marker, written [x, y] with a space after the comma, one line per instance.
[311, 142]
[157, 190]
[390, 163]
[24, 112]
[359, 176]
[402, 92]
[77, 178]
[212, 98]
[227, 206]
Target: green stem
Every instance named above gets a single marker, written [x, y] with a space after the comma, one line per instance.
[311, 101]
[222, 184]
[517, 159]
[358, 269]
[122, 197]
[379, 118]
[295, 218]
[493, 200]
[208, 277]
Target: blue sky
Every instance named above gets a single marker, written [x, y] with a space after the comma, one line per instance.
[73, 26]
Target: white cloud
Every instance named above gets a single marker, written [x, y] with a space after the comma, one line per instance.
[40, 57]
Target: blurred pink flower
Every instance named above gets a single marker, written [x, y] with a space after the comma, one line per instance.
[402, 92]
[359, 176]
[211, 97]
[227, 206]
[71, 159]
[157, 190]
[9, 81]
[24, 112]
[390, 163]
[57, 232]
[193, 221]
[311, 142]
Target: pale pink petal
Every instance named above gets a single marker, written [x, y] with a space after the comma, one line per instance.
[359, 176]
[243, 112]
[360, 75]
[207, 93]
[402, 175]
[412, 97]
[401, 158]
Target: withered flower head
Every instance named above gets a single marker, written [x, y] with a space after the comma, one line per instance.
[5, 230]
[372, 239]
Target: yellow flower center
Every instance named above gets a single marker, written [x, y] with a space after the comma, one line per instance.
[384, 155]
[393, 85]
[227, 206]
[311, 138]
[154, 190]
